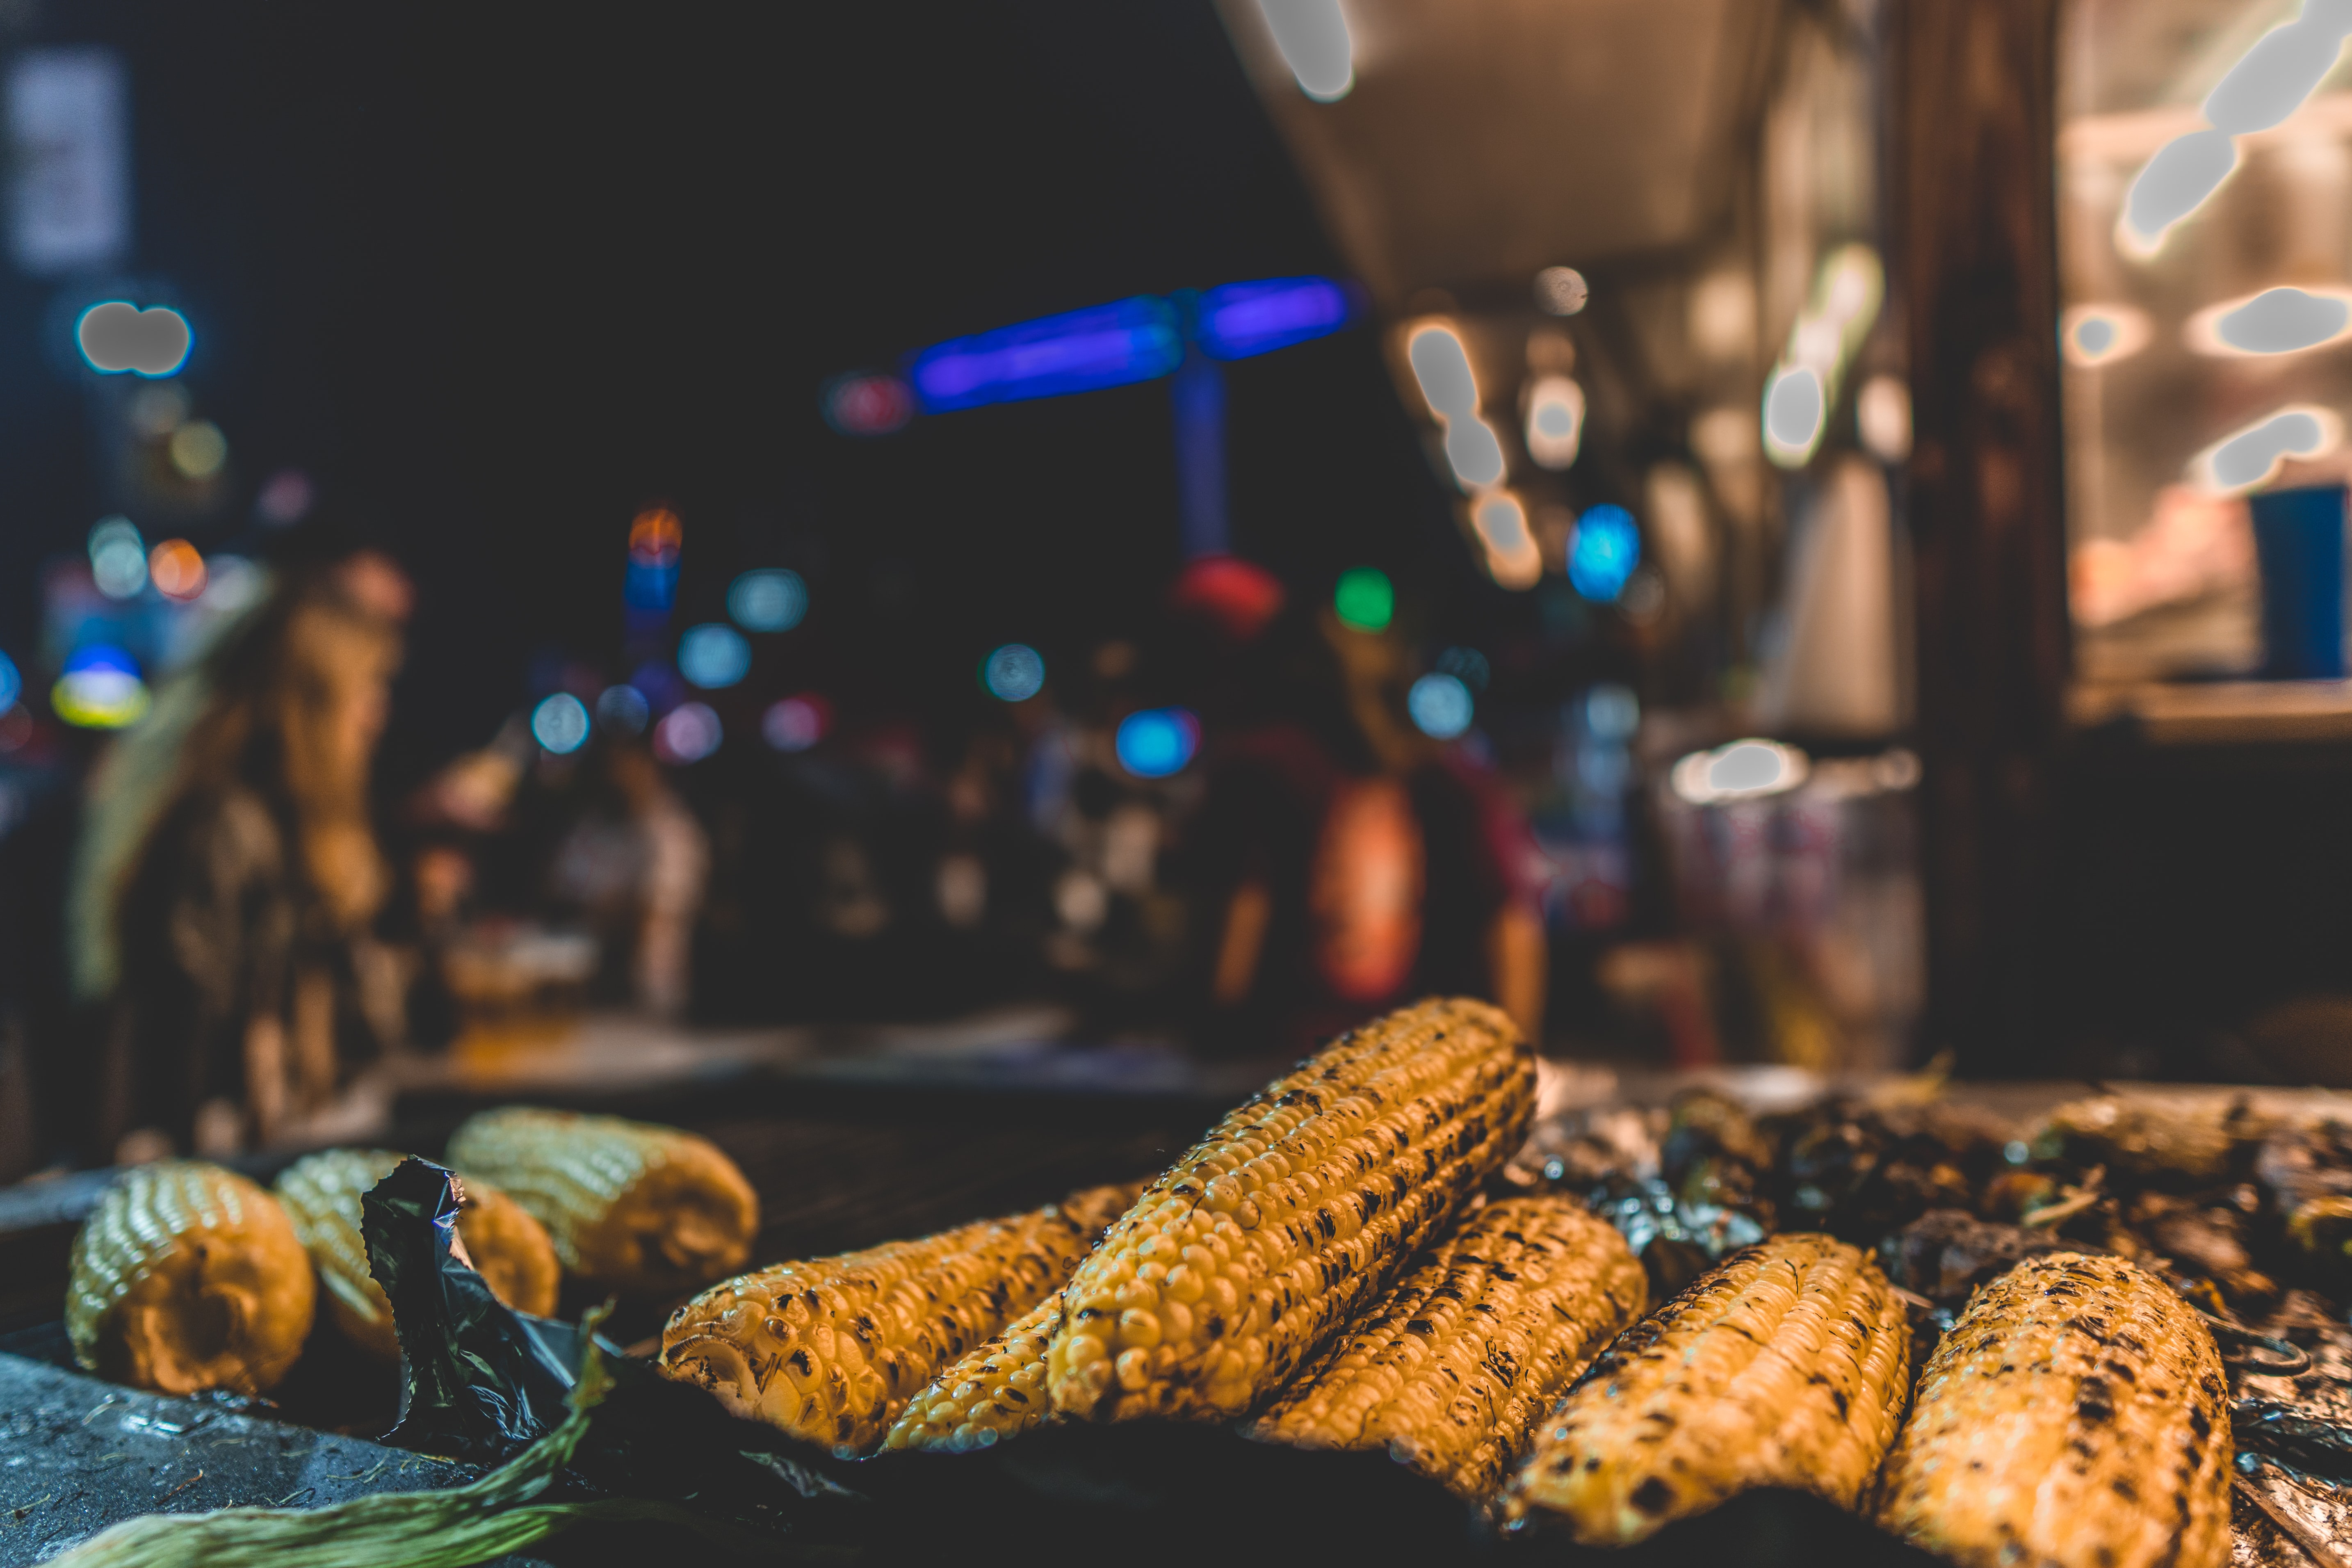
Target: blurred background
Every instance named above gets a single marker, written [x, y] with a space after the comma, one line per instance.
[1099, 544]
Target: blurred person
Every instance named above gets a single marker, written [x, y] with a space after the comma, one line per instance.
[599, 839]
[637, 864]
[1345, 862]
[227, 877]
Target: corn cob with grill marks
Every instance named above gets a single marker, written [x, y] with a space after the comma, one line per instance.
[1786, 1365]
[832, 1349]
[1291, 1217]
[186, 1277]
[627, 1205]
[994, 1393]
[320, 1194]
[2077, 1415]
[1455, 1367]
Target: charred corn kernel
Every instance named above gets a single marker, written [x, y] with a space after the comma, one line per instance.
[1453, 1368]
[186, 1277]
[2077, 1415]
[832, 1349]
[994, 1393]
[628, 1205]
[1786, 1365]
[1291, 1217]
[321, 1193]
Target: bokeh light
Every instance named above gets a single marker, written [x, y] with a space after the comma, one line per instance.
[796, 723]
[1466, 665]
[1441, 366]
[657, 537]
[1157, 742]
[1555, 421]
[713, 656]
[688, 733]
[1882, 416]
[2092, 335]
[1794, 413]
[118, 336]
[118, 557]
[624, 708]
[561, 723]
[1439, 705]
[1364, 600]
[1313, 38]
[12, 683]
[1239, 320]
[100, 689]
[2253, 454]
[198, 449]
[233, 584]
[1562, 291]
[1612, 711]
[1744, 769]
[1078, 351]
[156, 411]
[177, 568]
[1602, 552]
[1514, 559]
[2280, 321]
[1013, 673]
[868, 404]
[770, 600]
[285, 498]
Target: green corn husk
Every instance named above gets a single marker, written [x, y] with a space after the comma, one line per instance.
[448, 1529]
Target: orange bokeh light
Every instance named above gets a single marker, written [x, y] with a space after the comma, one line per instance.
[177, 569]
[657, 537]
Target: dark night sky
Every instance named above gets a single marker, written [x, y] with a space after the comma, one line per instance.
[510, 281]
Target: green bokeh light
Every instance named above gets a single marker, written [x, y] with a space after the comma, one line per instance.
[1364, 599]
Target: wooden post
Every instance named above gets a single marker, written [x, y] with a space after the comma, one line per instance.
[1971, 89]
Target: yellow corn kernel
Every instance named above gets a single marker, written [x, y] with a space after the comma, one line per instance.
[2077, 1415]
[188, 1276]
[1292, 1216]
[1453, 1368]
[1787, 1364]
[832, 1349]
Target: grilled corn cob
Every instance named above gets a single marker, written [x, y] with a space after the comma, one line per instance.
[188, 1276]
[994, 1393]
[511, 1251]
[1291, 1217]
[1786, 1365]
[1452, 1370]
[2077, 1415]
[321, 1193]
[832, 1349]
[628, 1205]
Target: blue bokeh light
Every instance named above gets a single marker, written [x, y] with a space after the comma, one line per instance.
[1439, 705]
[1157, 742]
[1013, 673]
[624, 707]
[1602, 552]
[11, 683]
[767, 600]
[1239, 319]
[561, 723]
[712, 656]
[1080, 351]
